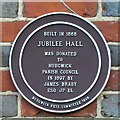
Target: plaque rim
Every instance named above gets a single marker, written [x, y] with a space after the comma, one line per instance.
[105, 43]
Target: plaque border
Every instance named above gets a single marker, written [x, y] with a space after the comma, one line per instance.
[107, 48]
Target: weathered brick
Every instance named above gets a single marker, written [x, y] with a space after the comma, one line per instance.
[10, 30]
[7, 84]
[30, 111]
[111, 105]
[115, 55]
[111, 8]
[27, 109]
[4, 54]
[9, 106]
[113, 83]
[109, 30]
[35, 9]
[85, 9]
[85, 112]
[9, 9]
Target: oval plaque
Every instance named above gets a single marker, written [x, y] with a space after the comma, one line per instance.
[60, 62]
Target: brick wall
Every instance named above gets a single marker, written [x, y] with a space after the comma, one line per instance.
[14, 15]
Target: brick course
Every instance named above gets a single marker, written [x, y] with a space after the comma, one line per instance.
[31, 111]
[7, 84]
[11, 30]
[36, 9]
[115, 55]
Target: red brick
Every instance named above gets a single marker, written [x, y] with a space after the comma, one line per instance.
[113, 83]
[10, 30]
[85, 112]
[29, 110]
[85, 9]
[35, 9]
[6, 82]
[109, 30]
[89, 111]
